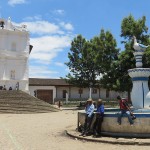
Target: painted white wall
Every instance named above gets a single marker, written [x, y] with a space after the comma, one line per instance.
[34, 88]
[73, 92]
[60, 91]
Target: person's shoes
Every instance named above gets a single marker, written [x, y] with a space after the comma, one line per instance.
[94, 136]
[88, 133]
[81, 134]
[118, 124]
[131, 125]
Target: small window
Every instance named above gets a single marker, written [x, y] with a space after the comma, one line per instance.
[94, 91]
[80, 91]
[107, 93]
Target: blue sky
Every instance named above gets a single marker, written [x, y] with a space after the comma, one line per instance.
[54, 23]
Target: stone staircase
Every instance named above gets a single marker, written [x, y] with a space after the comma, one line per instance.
[21, 102]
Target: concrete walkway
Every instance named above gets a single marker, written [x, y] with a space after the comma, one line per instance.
[112, 140]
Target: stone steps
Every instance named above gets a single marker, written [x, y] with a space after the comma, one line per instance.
[21, 102]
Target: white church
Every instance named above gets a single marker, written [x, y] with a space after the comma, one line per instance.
[15, 49]
[14, 53]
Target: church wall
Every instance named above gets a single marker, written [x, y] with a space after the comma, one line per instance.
[14, 53]
[14, 42]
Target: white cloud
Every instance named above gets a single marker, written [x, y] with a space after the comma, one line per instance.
[50, 43]
[47, 47]
[66, 26]
[59, 12]
[59, 64]
[42, 27]
[41, 72]
[31, 18]
[15, 2]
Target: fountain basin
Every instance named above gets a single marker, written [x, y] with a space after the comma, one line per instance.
[141, 127]
[139, 72]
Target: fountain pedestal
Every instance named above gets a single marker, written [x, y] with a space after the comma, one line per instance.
[140, 77]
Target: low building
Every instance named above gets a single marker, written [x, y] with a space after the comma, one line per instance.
[52, 90]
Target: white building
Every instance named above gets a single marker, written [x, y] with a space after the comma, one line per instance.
[14, 53]
[51, 90]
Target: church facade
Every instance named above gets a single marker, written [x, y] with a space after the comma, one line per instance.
[14, 53]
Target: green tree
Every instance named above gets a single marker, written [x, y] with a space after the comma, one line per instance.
[81, 63]
[129, 28]
[89, 59]
[105, 50]
[108, 54]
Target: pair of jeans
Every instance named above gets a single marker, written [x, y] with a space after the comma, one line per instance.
[87, 124]
[97, 124]
[120, 114]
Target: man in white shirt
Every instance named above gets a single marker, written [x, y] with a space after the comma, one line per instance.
[89, 109]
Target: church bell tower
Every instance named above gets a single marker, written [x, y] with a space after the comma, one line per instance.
[14, 54]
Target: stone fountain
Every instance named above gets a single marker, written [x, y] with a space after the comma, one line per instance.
[140, 92]
[140, 97]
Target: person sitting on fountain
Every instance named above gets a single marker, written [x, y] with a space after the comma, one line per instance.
[124, 109]
[88, 118]
[99, 118]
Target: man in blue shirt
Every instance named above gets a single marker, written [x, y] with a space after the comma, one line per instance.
[99, 118]
[89, 109]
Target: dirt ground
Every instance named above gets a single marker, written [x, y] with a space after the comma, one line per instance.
[45, 131]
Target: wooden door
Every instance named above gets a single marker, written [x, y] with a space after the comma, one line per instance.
[45, 95]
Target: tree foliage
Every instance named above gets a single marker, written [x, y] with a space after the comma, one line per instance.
[81, 62]
[129, 28]
[89, 59]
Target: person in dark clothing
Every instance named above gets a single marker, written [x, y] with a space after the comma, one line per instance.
[99, 119]
[124, 109]
[59, 104]
[10, 88]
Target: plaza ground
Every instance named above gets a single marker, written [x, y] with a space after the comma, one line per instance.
[46, 131]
